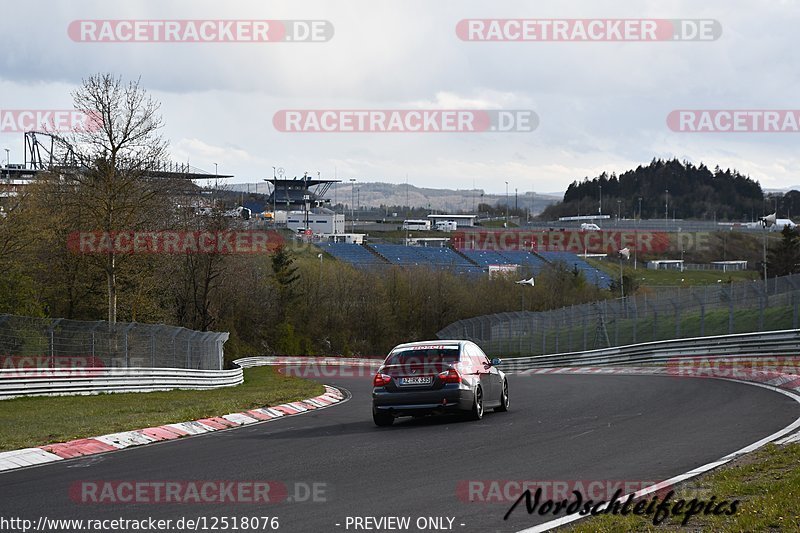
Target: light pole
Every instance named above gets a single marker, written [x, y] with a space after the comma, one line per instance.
[352, 204]
[506, 204]
[8, 165]
[274, 196]
[619, 210]
[765, 258]
[216, 184]
[640, 209]
[600, 207]
[666, 208]
[306, 202]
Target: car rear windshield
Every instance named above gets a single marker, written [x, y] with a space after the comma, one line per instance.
[426, 355]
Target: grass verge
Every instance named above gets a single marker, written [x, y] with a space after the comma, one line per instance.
[766, 483]
[34, 421]
[673, 278]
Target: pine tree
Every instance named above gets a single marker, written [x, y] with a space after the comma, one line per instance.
[784, 258]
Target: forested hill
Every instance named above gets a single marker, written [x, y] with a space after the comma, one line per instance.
[694, 192]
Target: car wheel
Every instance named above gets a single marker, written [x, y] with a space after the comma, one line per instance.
[477, 406]
[503, 407]
[382, 419]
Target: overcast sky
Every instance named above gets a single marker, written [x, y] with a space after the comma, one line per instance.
[602, 106]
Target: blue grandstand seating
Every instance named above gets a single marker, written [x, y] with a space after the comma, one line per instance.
[352, 253]
[448, 259]
[506, 257]
[593, 275]
[420, 255]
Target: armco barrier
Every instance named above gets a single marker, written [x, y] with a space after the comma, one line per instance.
[248, 362]
[765, 344]
[62, 382]
[57, 382]
[66, 381]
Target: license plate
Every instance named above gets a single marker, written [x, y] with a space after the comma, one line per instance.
[417, 380]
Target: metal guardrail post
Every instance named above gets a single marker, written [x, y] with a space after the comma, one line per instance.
[127, 352]
[676, 306]
[585, 331]
[730, 309]
[655, 321]
[544, 335]
[569, 325]
[701, 302]
[94, 340]
[51, 330]
[794, 309]
[558, 332]
[174, 351]
[153, 346]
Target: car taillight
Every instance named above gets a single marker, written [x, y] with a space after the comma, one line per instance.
[381, 380]
[450, 376]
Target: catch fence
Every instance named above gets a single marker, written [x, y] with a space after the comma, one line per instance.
[27, 342]
[721, 309]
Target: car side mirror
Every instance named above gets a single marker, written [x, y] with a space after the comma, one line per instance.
[496, 361]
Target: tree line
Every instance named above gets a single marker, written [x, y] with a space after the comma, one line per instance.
[287, 302]
[677, 189]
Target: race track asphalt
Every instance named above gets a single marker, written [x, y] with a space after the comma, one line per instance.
[560, 428]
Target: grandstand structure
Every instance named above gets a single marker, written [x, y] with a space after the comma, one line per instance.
[47, 152]
[470, 262]
[297, 194]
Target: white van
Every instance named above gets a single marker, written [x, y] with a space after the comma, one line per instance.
[589, 227]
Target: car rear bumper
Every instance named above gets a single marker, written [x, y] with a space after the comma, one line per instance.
[422, 402]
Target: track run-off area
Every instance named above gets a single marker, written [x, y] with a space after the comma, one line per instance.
[334, 470]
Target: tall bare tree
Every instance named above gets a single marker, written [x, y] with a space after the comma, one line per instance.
[115, 186]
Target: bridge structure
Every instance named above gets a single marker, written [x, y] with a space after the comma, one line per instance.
[47, 152]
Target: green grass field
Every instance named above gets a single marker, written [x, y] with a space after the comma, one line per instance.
[673, 278]
[766, 483]
[34, 421]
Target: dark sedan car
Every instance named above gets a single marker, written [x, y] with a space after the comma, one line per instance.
[436, 377]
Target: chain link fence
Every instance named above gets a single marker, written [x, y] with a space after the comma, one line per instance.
[47, 342]
[669, 314]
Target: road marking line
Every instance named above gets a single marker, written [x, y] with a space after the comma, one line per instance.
[692, 473]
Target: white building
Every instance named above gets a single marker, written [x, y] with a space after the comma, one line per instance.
[320, 220]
